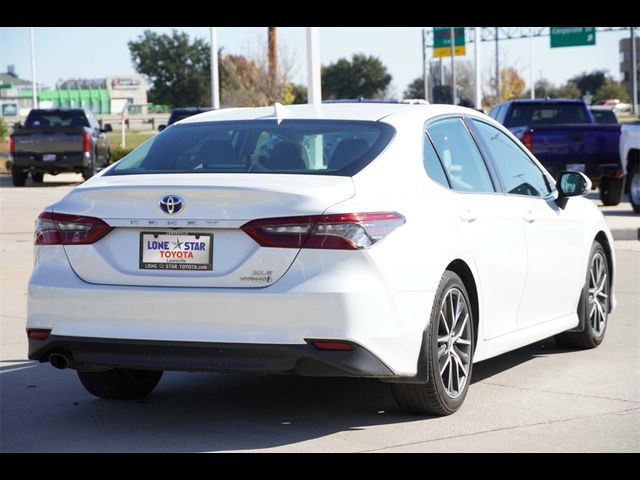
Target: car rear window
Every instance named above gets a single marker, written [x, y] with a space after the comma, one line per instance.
[40, 119]
[324, 147]
[547, 114]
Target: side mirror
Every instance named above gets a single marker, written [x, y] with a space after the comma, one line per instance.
[107, 128]
[161, 127]
[571, 184]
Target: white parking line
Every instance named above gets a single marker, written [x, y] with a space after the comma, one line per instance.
[19, 368]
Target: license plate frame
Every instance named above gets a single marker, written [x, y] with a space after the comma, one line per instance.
[175, 261]
[49, 157]
[576, 167]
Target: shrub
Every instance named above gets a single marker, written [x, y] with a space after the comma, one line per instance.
[4, 130]
[117, 153]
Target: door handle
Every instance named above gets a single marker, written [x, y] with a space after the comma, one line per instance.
[528, 216]
[467, 216]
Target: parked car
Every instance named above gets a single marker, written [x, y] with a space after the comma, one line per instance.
[630, 160]
[58, 140]
[604, 115]
[613, 104]
[563, 135]
[428, 239]
[178, 114]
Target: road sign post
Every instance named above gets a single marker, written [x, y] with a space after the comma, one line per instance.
[572, 36]
[442, 41]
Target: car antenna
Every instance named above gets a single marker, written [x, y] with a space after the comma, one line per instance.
[280, 112]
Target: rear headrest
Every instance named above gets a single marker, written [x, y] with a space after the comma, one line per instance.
[346, 152]
[286, 156]
[214, 153]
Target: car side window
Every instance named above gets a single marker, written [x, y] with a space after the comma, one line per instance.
[519, 175]
[460, 156]
[432, 164]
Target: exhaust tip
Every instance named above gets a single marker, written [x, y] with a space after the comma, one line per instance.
[59, 361]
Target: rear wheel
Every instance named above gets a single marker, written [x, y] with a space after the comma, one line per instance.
[37, 177]
[449, 352]
[91, 170]
[610, 191]
[593, 308]
[120, 383]
[19, 177]
[634, 189]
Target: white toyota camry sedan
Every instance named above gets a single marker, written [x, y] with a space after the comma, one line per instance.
[397, 242]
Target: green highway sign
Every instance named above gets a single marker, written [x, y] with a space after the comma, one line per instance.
[9, 109]
[442, 41]
[6, 85]
[572, 36]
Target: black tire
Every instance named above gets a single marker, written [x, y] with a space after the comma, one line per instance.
[634, 189]
[610, 192]
[19, 177]
[37, 177]
[433, 397]
[91, 170]
[595, 325]
[120, 383]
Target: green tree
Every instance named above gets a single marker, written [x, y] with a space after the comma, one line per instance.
[363, 76]
[589, 82]
[569, 90]
[178, 69]
[544, 88]
[415, 89]
[611, 89]
[511, 84]
[4, 130]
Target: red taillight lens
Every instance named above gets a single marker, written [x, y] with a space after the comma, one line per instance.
[63, 229]
[12, 145]
[86, 143]
[343, 231]
[38, 334]
[527, 140]
[334, 345]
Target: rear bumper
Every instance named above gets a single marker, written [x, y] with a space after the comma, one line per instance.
[593, 169]
[301, 359]
[64, 162]
[349, 302]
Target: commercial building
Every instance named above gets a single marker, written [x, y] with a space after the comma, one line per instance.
[102, 96]
[625, 62]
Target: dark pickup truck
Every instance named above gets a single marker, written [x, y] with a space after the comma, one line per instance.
[57, 140]
[563, 135]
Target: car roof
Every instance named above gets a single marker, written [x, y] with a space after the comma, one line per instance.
[546, 100]
[328, 111]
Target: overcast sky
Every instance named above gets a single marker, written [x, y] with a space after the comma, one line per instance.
[79, 52]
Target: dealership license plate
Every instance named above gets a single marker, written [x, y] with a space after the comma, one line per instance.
[49, 157]
[176, 251]
[575, 167]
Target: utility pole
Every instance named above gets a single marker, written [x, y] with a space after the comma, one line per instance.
[215, 81]
[314, 86]
[425, 66]
[634, 73]
[34, 92]
[453, 67]
[477, 66]
[532, 88]
[497, 69]
[273, 58]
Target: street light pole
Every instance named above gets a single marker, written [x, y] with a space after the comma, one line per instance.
[314, 87]
[497, 69]
[34, 92]
[425, 66]
[453, 67]
[477, 65]
[215, 83]
[634, 73]
[532, 88]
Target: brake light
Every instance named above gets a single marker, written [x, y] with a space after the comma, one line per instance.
[342, 231]
[12, 145]
[63, 229]
[86, 143]
[332, 345]
[527, 140]
[618, 173]
[38, 334]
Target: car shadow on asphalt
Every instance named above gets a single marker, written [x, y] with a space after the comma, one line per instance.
[43, 409]
[49, 181]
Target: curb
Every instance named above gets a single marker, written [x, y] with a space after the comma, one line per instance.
[626, 233]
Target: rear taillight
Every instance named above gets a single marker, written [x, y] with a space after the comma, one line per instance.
[527, 140]
[342, 231]
[86, 143]
[63, 229]
[12, 145]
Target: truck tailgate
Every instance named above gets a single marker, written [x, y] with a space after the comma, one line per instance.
[38, 142]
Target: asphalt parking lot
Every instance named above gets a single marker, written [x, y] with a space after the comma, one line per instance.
[538, 398]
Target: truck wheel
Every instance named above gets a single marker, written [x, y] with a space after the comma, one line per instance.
[89, 171]
[37, 177]
[610, 191]
[19, 177]
[634, 189]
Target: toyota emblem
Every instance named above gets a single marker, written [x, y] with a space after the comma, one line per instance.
[171, 204]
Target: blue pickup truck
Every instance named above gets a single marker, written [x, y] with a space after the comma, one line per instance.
[563, 135]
